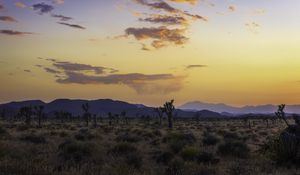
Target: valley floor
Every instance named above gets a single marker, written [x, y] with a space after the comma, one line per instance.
[141, 147]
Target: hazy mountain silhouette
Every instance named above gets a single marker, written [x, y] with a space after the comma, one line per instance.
[227, 109]
[99, 107]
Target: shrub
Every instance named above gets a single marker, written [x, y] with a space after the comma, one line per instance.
[75, 151]
[238, 169]
[36, 139]
[189, 153]
[282, 149]
[22, 128]
[134, 159]
[210, 139]
[122, 149]
[231, 135]
[84, 135]
[234, 148]
[164, 157]
[126, 137]
[3, 133]
[176, 167]
[207, 158]
[177, 140]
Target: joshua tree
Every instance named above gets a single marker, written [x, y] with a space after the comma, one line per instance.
[116, 118]
[124, 117]
[281, 114]
[95, 120]
[39, 111]
[86, 114]
[110, 118]
[3, 113]
[160, 113]
[197, 117]
[169, 109]
[26, 112]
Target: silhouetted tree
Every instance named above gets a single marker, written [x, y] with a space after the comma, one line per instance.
[124, 117]
[169, 109]
[281, 114]
[95, 120]
[110, 118]
[296, 119]
[197, 117]
[160, 113]
[3, 113]
[26, 112]
[86, 114]
[39, 112]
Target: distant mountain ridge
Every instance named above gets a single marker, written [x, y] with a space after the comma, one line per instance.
[98, 107]
[223, 108]
[104, 106]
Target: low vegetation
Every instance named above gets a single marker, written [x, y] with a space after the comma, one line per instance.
[135, 147]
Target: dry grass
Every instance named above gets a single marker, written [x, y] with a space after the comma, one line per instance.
[139, 148]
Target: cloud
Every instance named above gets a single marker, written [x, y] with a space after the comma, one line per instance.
[76, 67]
[253, 27]
[193, 2]
[259, 12]
[50, 70]
[164, 35]
[232, 8]
[194, 66]
[58, 1]
[42, 8]
[7, 19]
[162, 5]
[72, 25]
[75, 73]
[20, 5]
[27, 71]
[166, 20]
[141, 83]
[14, 33]
[1, 7]
[160, 36]
[62, 17]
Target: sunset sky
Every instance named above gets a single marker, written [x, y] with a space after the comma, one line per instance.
[239, 52]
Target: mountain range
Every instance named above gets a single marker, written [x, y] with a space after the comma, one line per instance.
[104, 106]
[223, 108]
[99, 107]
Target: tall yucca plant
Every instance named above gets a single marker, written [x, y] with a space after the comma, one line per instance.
[169, 109]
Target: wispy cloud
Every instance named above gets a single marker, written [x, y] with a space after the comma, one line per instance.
[188, 67]
[62, 17]
[8, 19]
[1, 7]
[193, 2]
[166, 20]
[75, 73]
[174, 23]
[50, 70]
[58, 1]
[14, 33]
[232, 8]
[141, 83]
[161, 36]
[66, 66]
[72, 25]
[20, 5]
[42, 8]
[253, 27]
[27, 71]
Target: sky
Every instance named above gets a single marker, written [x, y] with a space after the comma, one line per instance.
[237, 52]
